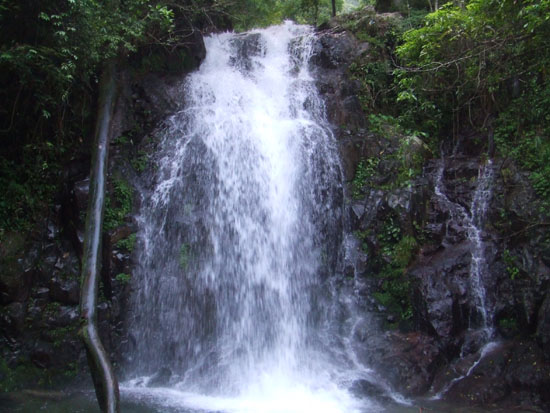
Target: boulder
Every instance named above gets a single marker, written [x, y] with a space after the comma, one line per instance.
[441, 302]
[514, 373]
[17, 260]
[543, 326]
[65, 291]
[408, 361]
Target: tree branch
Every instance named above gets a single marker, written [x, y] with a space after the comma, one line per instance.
[105, 382]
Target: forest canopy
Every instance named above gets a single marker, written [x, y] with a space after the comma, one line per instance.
[478, 63]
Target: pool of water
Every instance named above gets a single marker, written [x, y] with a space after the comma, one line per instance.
[85, 402]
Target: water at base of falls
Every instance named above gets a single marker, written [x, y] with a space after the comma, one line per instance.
[238, 241]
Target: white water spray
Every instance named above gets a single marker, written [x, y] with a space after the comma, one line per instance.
[237, 239]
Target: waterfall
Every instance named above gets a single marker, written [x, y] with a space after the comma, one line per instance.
[471, 222]
[478, 267]
[239, 236]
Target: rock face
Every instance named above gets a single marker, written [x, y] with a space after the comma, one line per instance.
[40, 271]
[413, 249]
[39, 322]
[425, 241]
[332, 54]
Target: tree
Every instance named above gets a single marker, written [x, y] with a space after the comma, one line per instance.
[105, 381]
[483, 66]
[458, 65]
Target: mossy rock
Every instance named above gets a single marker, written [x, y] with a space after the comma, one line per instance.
[14, 279]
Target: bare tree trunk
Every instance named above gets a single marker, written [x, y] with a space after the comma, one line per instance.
[333, 8]
[431, 6]
[105, 382]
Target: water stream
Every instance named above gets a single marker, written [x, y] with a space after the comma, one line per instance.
[238, 239]
[472, 221]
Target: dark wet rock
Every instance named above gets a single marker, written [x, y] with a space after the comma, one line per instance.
[441, 302]
[371, 389]
[16, 268]
[67, 315]
[514, 373]
[42, 293]
[333, 50]
[543, 326]
[81, 191]
[40, 270]
[65, 291]
[103, 311]
[73, 210]
[12, 321]
[16, 313]
[352, 148]
[155, 90]
[408, 361]
[248, 46]
[161, 377]
[120, 233]
[445, 307]
[42, 354]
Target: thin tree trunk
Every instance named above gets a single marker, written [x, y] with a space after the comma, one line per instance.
[105, 382]
[333, 8]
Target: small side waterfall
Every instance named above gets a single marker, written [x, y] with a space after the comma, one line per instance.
[239, 237]
[478, 268]
[471, 221]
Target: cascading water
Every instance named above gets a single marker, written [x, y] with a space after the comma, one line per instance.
[238, 238]
[472, 222]
[478, 268]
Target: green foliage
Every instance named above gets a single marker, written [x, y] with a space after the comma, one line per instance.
[261, 13]
[522, 132]
[482, 67]
[397, 252]
[509, 326]
[139, 161]
[411, 155]
[458, 66]
[52, 308]
[65, 41]
[118, 204]
[374, 77]
[362, 235]
[510, 262]
[394, 254]
[60, 334]
[23, 374]
[122, 140]
[26, 189]
[50, 55]
[123, 278]
[127, 243]
[184, 255]
[406, 155]
[365, 170]
[72, 370]
[404, 251]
